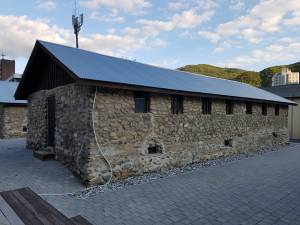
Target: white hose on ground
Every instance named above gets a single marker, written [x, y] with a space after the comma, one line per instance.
[101, 154]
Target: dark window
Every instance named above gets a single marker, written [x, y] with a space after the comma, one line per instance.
[206, 105]
[228, 143]
[248, 108]
[177, 104]
[264, 109]
[142, 102]
[154, 150]
[229, 107]
[277, 110]
[275, 134]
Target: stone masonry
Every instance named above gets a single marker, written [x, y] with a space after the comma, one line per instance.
[13, 121]
[125, 137]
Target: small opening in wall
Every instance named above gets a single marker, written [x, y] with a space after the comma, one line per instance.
[228, 142]
[154, 149]
[24, 129]
[275, 134]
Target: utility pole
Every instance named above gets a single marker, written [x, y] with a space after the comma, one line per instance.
[77, 21]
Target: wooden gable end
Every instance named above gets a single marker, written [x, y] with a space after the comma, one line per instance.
[43, 72]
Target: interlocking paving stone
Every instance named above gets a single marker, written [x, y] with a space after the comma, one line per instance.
[259, 190]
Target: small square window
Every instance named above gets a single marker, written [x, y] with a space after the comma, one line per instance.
[277, 109]
[177, 104]
[264, 109]
[248, 108]
[228, 143]
[229, 107]
[206, 105]
[142, 102]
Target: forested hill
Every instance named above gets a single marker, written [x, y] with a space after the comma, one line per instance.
[262, 78]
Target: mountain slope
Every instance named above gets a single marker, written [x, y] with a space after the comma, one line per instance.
[262, 78]
[246, 76]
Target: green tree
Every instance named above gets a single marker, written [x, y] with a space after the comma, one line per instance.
[249, 77]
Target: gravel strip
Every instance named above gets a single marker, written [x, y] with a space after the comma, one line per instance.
[148, 177]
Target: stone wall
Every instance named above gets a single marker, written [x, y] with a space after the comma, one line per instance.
[125, 136]
[13, 121]
[73, 132]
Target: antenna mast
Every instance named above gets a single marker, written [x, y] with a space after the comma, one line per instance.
[77, 21]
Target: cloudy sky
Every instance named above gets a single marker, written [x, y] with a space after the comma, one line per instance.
[250, 34]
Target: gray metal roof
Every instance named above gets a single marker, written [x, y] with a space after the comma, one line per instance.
[286, 91]
[93, 66]
[7, 91]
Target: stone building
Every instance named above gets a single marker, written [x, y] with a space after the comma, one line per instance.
[13, 114]
[99, 114]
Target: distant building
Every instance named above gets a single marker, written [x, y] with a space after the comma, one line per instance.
[13, 113]
[285, 77]
[7, 68]
[291, 92]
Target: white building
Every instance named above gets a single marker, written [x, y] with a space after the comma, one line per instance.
[285, 77]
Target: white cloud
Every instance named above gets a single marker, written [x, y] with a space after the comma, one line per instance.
[213, 37]
[271, 54]
[185, 20]
[126, 5]
[252, 35]
[237, 5]
[46, 5]
[14, 29]
[177, 5]
[166, 63]
[207, 4]
[112, 17]
[18, 34]
[266, 17]
[218, 50]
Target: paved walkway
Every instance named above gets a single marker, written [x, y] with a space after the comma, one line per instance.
[263, 189]
[18, 168]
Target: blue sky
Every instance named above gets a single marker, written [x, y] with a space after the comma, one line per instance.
[249, 34]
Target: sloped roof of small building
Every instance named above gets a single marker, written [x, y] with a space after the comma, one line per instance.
[7, 91]
[90, 66]
[286, 91]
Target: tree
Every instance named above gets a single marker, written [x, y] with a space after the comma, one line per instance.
[249, 77]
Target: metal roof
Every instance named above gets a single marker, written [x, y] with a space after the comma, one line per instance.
[286, 91]
[7, 91]
[97, 67]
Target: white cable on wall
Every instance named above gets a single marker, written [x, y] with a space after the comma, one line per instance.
[101, 154]
[96, 139]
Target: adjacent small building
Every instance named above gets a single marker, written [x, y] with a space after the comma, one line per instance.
[285, 77]
[291, 92]
[13, 113]
[100, 114]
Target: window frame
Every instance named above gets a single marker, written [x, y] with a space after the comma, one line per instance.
[206, 105]
[146, 97]
[249, 108]
[229, 107]
[264, 109]
[277, 110]
[177, 104]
